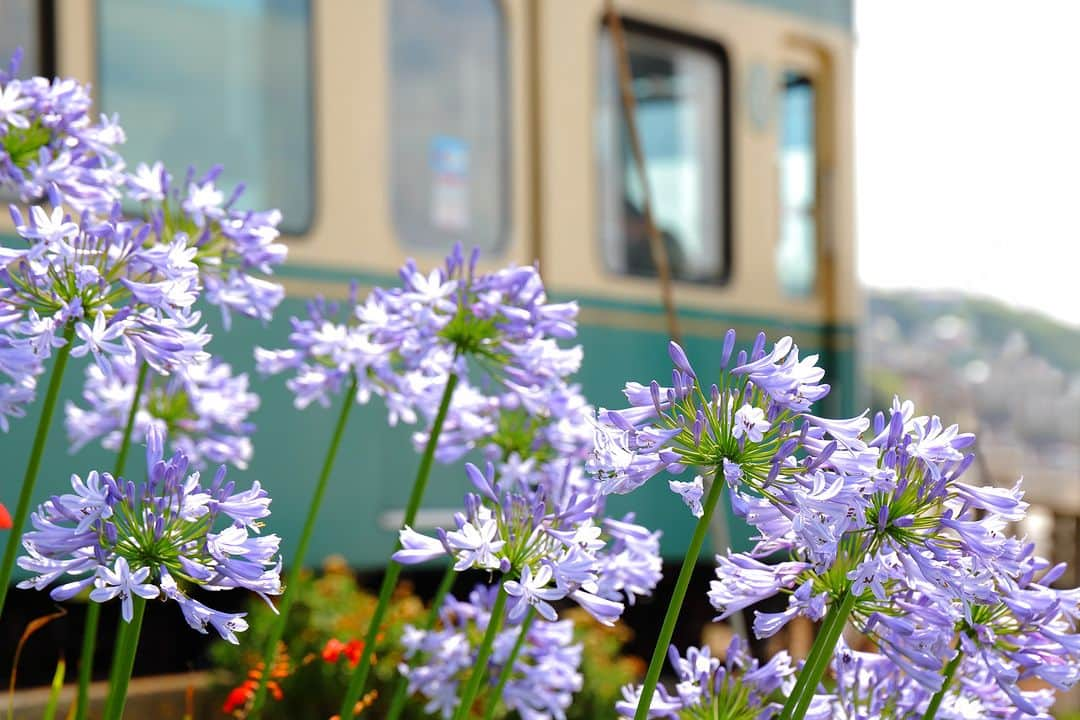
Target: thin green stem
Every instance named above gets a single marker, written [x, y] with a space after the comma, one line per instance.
[278, 628]
[812, 658]
[950, 671]
[114, 706]
[401, 685]
[93, 610]
[479, 671]
[14, 541]
[660, 650]
[393, 568]
[508, 666]
[825, 644]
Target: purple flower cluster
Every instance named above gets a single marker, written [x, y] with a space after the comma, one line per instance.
[203, 408]
[870, 685]
[234, 249]
[546, 551]
[123, 297]
[740, 427]
[737, 688]
[874, 519]
[50, 144]
[153, 539]
[403, 342]
[545, 672]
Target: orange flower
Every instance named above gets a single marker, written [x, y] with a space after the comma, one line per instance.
[239, 699]
[334, 649]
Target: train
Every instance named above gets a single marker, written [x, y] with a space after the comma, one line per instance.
[388, 129]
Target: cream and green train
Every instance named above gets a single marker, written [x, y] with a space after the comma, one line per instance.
[385, 129]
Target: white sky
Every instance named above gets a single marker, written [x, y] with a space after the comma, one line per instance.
[967, 116]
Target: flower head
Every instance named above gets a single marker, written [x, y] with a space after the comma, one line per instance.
[153, 539]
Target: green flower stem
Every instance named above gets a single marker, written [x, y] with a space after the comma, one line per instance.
[479, 671]
[508, 666]
[114, 705]
[93, 609]
[950, 671]
[811, 659]
[660, 650]
[401, 685]
[393, 569]
[277, 630]
[801, 696]
[14, 541]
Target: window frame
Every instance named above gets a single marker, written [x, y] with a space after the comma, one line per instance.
[725, 145]
[313, 216]
[504, 234]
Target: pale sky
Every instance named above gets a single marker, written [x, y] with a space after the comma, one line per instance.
[967, 117]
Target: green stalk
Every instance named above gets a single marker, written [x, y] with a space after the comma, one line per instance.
[401, 685]
[508, 667]
[660, 650]
[393, 569]
[14, 541]
[114, 706]
[93, 609]
[811, 659]
[479, 671]
[950, 671]
[799, 701]
[278, 628]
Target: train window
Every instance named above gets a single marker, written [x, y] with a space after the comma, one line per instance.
[449, 153]
[21, 24]
[796, 256]
[681, 116]
[173, 69]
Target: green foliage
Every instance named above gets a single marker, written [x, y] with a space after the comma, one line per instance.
[22, 145]
[333, 608]
[1057, 342]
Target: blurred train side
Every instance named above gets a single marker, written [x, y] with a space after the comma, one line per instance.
[752, 175]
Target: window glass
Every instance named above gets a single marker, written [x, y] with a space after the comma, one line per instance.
[796, 256]
[20, 27]
[681, 122]
[202, 82]
[449, 123]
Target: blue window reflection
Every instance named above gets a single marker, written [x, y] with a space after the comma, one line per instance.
[796, 258]
[200, 82]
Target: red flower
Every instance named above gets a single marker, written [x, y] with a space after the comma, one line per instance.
[335, 649]
[5, 518]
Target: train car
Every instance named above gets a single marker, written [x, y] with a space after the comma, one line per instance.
[387, 129]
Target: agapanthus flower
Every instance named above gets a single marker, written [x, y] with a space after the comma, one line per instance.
[102, 280]
[869, 686]
[49, 142]
[234, 249]
[545, 552]
[737, 687]
[154, 539]
[545, 672]
[403, 342]
[739, 428]
[876, 515]
[202, 408]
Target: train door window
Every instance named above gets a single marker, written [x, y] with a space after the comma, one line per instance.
[22, 25]
[796, 256]
[449, 123]
[679, 88]
[199, 82]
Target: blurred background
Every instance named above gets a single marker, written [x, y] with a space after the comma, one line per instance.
[889, 182]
